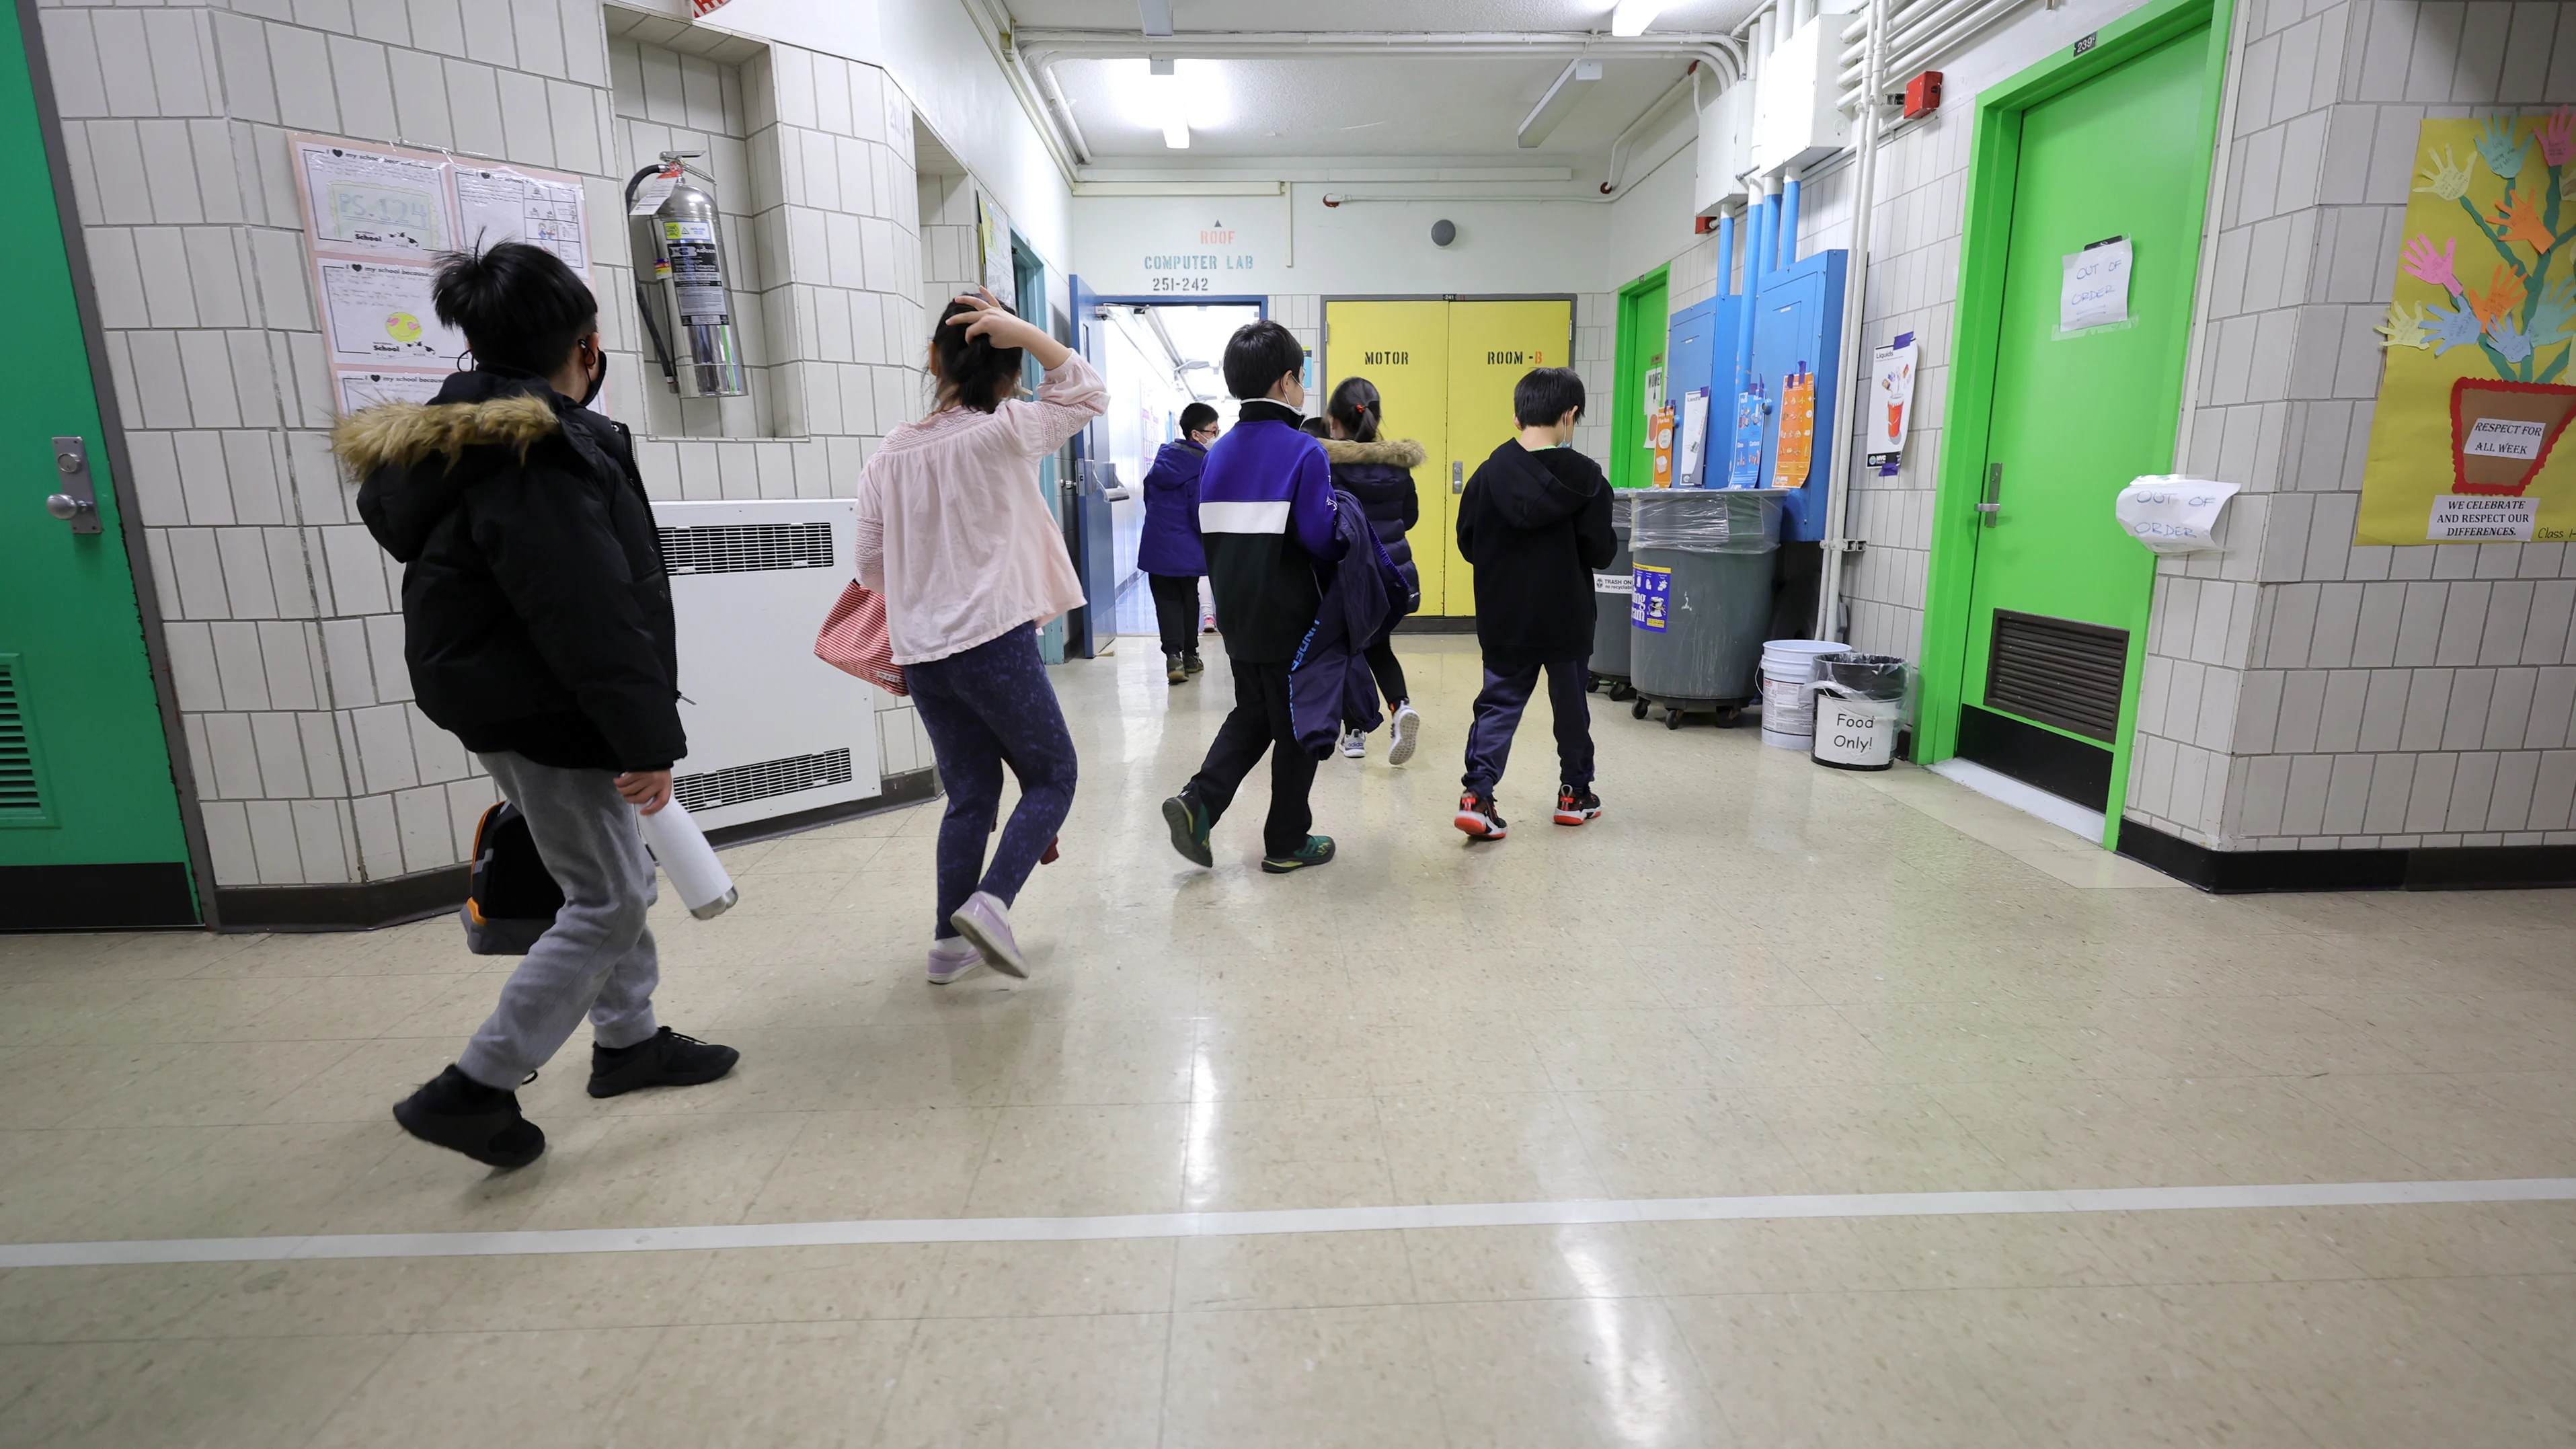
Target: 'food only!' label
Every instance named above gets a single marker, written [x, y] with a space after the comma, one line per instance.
[2462, 517]
[2505, 438]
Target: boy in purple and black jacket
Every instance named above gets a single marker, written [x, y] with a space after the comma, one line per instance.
[1265, 513]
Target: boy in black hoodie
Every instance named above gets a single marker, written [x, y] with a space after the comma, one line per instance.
[537, 625]
[1535, 523]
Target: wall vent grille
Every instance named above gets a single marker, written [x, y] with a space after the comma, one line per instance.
[743, 784]
[22, 797]
[742, 548]
[2058, 672]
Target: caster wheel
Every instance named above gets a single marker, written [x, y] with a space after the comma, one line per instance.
[1728, 718]
[1672, 719]
[1592, 686]
[1637, 710]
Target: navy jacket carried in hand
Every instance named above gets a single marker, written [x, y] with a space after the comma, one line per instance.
[1329, 684]
[1380, 476]
[1170, 546]
[1266, 519]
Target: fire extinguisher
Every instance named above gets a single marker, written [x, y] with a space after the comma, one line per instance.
[679, 278]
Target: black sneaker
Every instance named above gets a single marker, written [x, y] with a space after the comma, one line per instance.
[1190, 827]
[1193, 664]
[1317, 850]
[1478, 817]
[1576, 804]
[664, 1059]
[1173, 670]
[454, 1111]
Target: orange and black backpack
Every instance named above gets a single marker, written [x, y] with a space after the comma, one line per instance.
[514, 897]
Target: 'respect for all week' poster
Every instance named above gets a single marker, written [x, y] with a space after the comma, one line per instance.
[2468, 442]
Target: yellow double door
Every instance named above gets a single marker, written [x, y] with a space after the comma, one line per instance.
[1445, 371]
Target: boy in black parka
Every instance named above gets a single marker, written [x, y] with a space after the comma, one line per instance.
[1535, 523]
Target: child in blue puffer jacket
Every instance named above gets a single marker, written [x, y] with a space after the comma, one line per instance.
[1170, 555]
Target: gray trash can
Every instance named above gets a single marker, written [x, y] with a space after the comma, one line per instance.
[1611, 586]
[1701, 599]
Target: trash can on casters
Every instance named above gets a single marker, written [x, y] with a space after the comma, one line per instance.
[1610, 589]
[1860, 705]
[1702, 597]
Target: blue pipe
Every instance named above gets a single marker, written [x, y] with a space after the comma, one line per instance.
[1756, 246]
[1788, 225]
[1726, 256]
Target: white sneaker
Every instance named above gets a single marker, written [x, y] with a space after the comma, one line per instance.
[951, 958]
[1408, 733]
[1354, 745]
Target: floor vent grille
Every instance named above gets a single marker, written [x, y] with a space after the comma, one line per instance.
[743, 784]
[2058, 672]
[742, 548]
[22, 797]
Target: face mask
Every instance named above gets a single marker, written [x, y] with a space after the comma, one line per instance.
[598, 376]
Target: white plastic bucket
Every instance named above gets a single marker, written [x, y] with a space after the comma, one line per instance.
[1788, 708]
[1856, 734]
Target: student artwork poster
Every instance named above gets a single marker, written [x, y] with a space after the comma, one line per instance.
[2467, 444]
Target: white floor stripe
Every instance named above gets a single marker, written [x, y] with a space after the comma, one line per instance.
[1299, 1220]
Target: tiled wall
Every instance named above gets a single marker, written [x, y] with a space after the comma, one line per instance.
[313, 765]
[2306, 693]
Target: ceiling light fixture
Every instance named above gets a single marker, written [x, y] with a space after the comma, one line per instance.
[1156, 16]
[1633, 16]
[1170, 106]
[1578, 77]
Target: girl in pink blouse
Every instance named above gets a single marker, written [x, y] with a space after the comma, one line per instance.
[953, 532]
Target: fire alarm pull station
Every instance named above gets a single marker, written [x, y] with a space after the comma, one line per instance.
[1923, 94]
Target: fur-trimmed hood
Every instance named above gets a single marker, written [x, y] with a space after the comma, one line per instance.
[1399, 453]
[414, 461]
[401, 434]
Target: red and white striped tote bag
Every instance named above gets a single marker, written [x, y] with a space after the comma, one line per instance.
[854, 639]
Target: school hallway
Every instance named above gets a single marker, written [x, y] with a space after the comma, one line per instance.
[1781, 1105]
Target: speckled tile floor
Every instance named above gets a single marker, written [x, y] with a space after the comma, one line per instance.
[1752, 977]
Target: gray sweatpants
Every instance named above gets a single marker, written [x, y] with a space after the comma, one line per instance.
[597, 958]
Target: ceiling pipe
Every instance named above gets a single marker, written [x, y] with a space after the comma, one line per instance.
[992, 21]
[1619, 148]
[1055, 99]
[1722, 53]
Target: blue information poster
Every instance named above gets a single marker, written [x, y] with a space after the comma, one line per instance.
[1646, 602]
[1744, 459]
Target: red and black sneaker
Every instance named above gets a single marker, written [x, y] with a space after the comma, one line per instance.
[1576, 804]
[1478, 817]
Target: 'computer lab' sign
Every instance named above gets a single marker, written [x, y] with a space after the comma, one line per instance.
[1192, 246]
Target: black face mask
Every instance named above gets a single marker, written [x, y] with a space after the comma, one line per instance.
[598, 377]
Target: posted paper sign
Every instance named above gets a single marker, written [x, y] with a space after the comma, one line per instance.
[2172, 514]
[1893, 370]
[2095, 290]
[373, 203]
[2481, 518]
[502, 203]
[2477, 390]
[1797, 448]
[1651, 587]
[1694, 437]
[379, 313]
[366, 389]
[1620, 584]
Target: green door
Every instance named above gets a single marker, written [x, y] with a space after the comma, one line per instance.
[90, 831]
[1645, 319]
[2057, 613]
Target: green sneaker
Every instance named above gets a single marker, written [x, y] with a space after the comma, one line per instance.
[1317, 850]
[1190, 827]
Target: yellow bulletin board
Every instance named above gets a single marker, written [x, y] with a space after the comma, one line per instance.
[2467, 444]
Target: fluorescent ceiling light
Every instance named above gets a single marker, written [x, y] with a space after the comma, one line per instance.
[1578, 77]
[1633, 16]
[1170, 96]
[1156, 16]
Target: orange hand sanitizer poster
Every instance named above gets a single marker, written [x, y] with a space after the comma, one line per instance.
[1797, 452]
[1663, 438]
[2466, 442]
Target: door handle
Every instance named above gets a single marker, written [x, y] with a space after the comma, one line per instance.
[77, 503]
[1994, 500]
[1458, 477]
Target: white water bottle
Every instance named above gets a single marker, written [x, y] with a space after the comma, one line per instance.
[690, 862]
